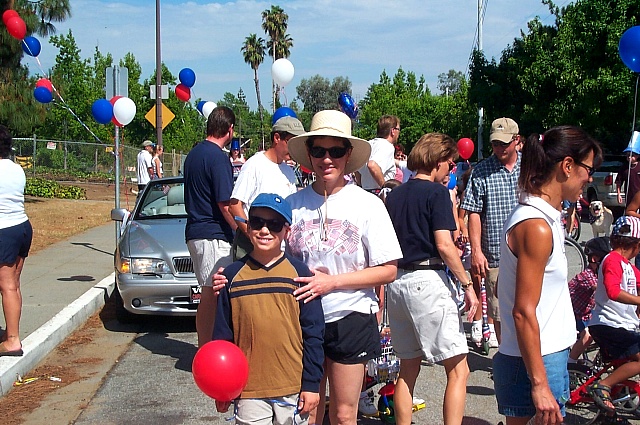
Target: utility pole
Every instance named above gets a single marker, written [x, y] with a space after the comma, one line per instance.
[158, 79]
[480, 108]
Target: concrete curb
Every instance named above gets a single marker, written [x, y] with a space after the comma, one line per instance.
[41, 342]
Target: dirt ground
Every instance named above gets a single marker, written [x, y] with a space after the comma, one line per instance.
[66, 374]
[54, 220]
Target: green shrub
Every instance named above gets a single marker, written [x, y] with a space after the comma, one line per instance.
[51, 189]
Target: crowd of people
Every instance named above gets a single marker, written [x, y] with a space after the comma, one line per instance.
[293, 276]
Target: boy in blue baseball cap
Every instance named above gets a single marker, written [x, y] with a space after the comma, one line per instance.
[281, 337]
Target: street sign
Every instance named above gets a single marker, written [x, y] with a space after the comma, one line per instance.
[167, 116]
[164, 92]
[117, 82]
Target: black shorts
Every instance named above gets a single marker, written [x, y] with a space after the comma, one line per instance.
[615, 343]
[15, 241]
[353, 339]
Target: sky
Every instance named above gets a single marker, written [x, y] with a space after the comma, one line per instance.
[358, 39]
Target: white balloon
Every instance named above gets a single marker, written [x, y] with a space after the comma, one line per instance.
[124, 110]
[207, 108]
[282, 72]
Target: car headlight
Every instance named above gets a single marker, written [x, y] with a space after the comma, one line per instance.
[143, 266]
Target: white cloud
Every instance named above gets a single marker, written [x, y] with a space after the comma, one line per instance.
[358, 39]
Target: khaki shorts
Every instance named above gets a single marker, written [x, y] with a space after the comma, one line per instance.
[424, 317]
[274, 410]
[208, 255]
[491, 283]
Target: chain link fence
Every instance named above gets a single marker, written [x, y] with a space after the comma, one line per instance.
[37, 155]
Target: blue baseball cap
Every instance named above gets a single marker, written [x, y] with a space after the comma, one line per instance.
[275, 203]
[627, 226]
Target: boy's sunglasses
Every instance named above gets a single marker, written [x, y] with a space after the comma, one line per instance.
[274, 226]
[334, 152]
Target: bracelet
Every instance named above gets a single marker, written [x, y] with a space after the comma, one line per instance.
[470, 283]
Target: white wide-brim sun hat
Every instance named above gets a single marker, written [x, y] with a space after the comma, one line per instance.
[335, 124]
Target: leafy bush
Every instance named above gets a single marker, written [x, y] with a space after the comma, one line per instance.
[73, 175]
[51, 189]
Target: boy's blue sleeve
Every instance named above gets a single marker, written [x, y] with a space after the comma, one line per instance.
[223, 327]
[312, 325]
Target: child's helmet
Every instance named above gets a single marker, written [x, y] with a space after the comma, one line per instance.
[597, 246]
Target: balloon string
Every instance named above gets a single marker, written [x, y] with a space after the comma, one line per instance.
[633, 129]
[283, 94]
[64, 104]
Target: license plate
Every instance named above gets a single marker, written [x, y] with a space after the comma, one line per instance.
[195, 294]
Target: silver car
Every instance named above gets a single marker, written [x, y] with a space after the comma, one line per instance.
[603, 186]
[154, 272]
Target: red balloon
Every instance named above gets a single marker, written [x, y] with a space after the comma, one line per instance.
[9, 13]
[16, 27]
[183, 92]
[465, 148]
[43, 82]
[220, 370]
[113, 101]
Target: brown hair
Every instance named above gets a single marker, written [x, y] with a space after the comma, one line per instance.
[541, 153]
[219, 121]
[385, 124]
[431, 149]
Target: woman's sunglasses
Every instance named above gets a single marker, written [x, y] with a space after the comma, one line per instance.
[334, 152]
[274, 226]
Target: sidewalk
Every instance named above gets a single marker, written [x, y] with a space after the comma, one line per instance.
[61, 286]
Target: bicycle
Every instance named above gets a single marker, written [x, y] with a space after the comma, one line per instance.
[575, 219]
[576, 259]
[581, 409]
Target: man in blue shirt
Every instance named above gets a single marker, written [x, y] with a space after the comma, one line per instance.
[208, 178]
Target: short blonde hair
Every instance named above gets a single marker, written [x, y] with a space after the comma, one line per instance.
[431, 149]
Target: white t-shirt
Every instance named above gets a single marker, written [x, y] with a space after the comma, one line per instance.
[145, 161]
[12, 185]
[359, 234]
[261, 175]
[554, 311]
[382, 152]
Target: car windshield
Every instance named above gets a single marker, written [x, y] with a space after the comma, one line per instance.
[162, 200]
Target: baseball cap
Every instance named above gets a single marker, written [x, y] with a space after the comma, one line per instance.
[288, 124]
[503, 130]
[627, 226]
[147, 143]
[273, 202]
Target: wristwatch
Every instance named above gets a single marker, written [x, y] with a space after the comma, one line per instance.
[470, 283]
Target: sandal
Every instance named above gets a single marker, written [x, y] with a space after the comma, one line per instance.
[10, 353]
[601, 395]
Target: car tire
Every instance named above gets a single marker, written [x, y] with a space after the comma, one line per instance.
[122, 314]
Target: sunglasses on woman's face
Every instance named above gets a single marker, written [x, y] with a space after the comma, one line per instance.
[257, 223]
[334, 152]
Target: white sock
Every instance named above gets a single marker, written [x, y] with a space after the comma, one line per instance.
[477, 322]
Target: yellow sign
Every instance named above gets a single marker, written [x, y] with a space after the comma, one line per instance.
[167, 116]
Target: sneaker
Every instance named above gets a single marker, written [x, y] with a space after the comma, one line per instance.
[366, 405]
[476, 332]
[417, 401]
[493, 341]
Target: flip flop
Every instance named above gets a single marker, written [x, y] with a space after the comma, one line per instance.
[601, 394]
[10, 353]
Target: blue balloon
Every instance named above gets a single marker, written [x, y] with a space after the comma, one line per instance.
[453, 180]
[200, 105]
[283, 111]
[629, 48]
[187, 77]
[31, 46]
[102, 111]
[348, 105]
[42, 95]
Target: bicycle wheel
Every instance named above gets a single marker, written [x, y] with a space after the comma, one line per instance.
[576, 260]
[582, 412]
[575, 233]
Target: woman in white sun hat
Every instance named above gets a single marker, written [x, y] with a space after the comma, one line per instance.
[346, 237]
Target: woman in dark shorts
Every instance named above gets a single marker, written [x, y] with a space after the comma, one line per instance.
[15, 241]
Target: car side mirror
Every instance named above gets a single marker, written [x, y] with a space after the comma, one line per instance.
[119, 214]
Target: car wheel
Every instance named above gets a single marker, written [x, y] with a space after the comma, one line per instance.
[122, 314]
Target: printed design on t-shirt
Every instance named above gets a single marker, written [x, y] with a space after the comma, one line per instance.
[342, 237]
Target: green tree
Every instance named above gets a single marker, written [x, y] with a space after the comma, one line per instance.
[318, 93]
[253, 53]
[449, 83]
[274, 23]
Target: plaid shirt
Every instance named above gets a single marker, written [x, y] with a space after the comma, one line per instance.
[582, 289]
[492, 192]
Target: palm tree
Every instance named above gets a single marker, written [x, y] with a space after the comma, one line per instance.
[274, 23]
[48, 11]
[282, 48]
[253, 51]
